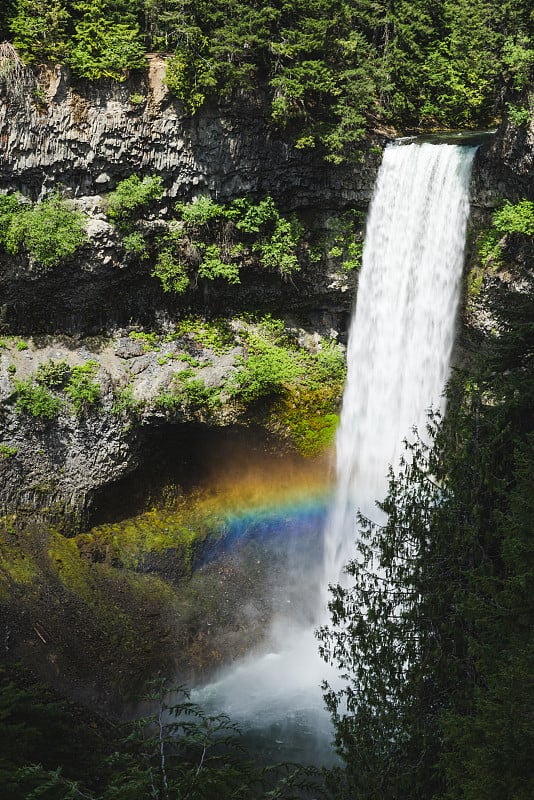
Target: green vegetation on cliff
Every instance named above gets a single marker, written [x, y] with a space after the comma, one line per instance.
[332, 70]
[48, 232]
[207, 240]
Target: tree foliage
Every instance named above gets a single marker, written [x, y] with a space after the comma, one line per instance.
[434, 631]
[330, 70]
[176, 751]
[211, 241]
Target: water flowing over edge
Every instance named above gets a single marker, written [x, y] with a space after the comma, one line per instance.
[402, 330]
[398, 359]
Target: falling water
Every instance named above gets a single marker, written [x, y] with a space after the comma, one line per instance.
[402, 331]
[399, 351]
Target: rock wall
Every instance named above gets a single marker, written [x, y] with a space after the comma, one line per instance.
[86, 137]
[504, 168]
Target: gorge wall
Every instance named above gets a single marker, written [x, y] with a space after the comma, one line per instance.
[70, 602]
[85, 138]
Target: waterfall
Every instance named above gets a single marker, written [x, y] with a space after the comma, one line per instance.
[399, 351]
[402, 330]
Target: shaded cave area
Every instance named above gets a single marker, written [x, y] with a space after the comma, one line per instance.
[173, 460]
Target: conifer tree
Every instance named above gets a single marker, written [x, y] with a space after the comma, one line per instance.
[39, 30]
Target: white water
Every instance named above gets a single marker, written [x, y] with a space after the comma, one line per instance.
[399, 352]
[402, 331]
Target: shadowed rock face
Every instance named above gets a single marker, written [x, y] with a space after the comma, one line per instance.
[504, 168]
[88, 137]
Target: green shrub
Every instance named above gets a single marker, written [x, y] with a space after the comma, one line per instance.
[213, 266]
[267, 371]
[22, 345]
[37, 401]
[518, 115]
[10, 206]
[167, 401]
[135, 244]
[81, 389]
[132, 197]
[7, 451]
[124, 402]
[216, 240]
[171, 271]
[149, 339]
[518, 218]
[278, 251]
[49, 232]
[515, 218]
[194, 392]
[200, 212]
[53, 374]
[341, 242]
[187, 393]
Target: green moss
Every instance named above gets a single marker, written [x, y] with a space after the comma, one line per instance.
[157, 531]
[18, 566]
[308, 417]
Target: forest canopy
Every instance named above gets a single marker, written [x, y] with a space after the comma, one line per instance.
[331, 69]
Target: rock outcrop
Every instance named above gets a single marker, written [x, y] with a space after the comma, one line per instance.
[86, 137]
[504, 167]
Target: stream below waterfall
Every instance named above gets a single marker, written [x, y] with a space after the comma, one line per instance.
[399, 351]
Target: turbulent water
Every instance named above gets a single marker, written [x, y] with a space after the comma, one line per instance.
[402, 331]
[399, 352]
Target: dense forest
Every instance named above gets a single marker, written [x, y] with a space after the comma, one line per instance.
[330, 70]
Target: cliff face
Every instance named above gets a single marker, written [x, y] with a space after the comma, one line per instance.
[505, 167]
[87, 137]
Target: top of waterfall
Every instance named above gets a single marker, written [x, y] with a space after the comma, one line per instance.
[472, 138]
